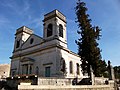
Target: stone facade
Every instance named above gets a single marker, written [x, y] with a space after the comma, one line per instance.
[4, 71]
[46, 56]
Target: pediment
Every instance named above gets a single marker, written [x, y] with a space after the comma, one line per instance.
[25, 59]
[33, 40]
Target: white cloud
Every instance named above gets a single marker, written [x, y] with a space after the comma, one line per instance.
[70, 21]
[24, 9]
[3, 20]
[36, 21]
[16, 8]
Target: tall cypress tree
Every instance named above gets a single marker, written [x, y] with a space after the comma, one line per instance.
[87, 43]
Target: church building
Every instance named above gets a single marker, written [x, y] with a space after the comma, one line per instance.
[46, 56]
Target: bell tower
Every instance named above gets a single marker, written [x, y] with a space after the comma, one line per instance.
[55, 27]
[22, 34]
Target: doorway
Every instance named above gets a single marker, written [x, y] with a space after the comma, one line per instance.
[47, 71]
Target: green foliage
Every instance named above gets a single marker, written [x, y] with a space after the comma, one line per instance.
[117, 72]
[87, 43]
[102, 69]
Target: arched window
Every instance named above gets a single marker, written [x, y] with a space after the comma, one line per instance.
[26, 69]
[31, 40]
[71, 67]
[17, 43]
[60, 30]
[78, 70]
[63, 65]
[37, 70]
[13, 73]
[30, 70]
[49, 30]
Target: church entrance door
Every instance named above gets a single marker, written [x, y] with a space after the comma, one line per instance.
[47, 71]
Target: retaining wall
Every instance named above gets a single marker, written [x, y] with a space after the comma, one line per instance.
[69, 87]
[54, 81]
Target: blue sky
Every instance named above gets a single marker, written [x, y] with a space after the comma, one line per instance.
[104, 13]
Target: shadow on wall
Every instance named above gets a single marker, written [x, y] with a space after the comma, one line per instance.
[4, 86]
[84, 81]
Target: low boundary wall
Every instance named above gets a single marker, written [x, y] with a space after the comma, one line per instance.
[54, 81]
[69, 87]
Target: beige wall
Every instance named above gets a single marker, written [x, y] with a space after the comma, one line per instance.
[85, 87]
[49, 57]
[69, 56]
[4, 70]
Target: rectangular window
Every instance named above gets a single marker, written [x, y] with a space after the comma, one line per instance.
[47, 71]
